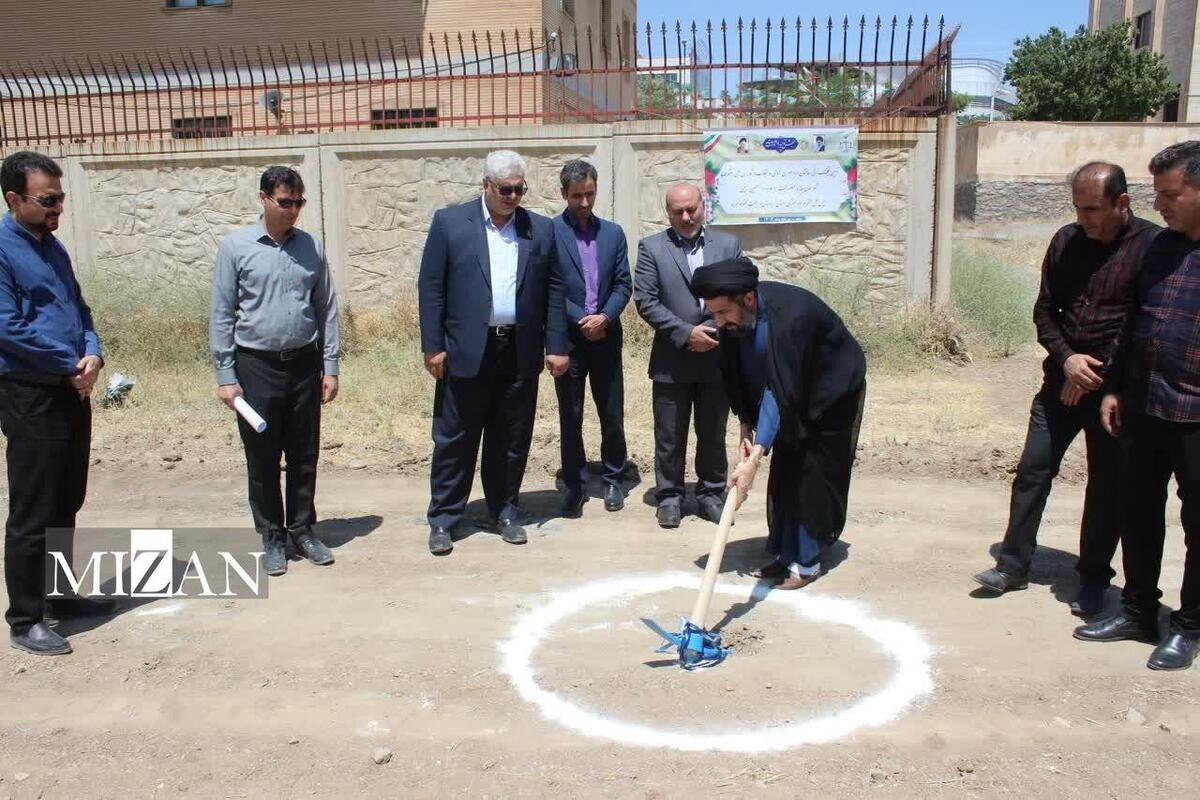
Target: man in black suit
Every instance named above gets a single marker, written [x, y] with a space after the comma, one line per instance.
[683, 361]
[490, 296]
[595, 270]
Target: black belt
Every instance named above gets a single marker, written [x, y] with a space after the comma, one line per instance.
[282, 355]
[502, 331]
[45, 378]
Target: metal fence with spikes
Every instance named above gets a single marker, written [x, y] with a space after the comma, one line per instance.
[752, 71]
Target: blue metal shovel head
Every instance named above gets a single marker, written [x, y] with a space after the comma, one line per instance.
[696, 647]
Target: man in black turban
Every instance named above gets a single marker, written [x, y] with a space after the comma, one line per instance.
[796, 379]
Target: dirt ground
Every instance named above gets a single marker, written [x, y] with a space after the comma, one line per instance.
[392, 648]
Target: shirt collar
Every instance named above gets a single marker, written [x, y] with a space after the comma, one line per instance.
[592, 225]
[11, 223]
[1126, 227]
[488, 222]
[260, 231]
[691, 244]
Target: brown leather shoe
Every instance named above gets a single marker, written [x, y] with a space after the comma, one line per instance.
[771, 571]
[797, 581]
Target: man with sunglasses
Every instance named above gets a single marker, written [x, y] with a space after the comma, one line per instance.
[491, 302]
[49, 362]
[275, 342]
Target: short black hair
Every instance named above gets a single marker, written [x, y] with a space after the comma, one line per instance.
[1184, 154]
[280, 176]
[14, 172]
[1113, 175]
[577, 170]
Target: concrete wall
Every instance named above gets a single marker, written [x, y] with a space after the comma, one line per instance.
[156, 211]
[1009, 171]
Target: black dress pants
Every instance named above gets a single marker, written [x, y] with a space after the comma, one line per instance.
[1157, 450]
[1052, 428]
[673, 407]
[600, 363]
[49, 432]
[287, 394]
[496, 405]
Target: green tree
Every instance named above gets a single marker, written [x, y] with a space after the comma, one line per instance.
[839, 90]
[1088, 77]
[659, 94]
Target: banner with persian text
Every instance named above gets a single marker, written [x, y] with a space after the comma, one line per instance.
[780, 175]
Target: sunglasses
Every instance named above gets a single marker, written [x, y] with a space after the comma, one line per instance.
[47, 200]
[287, 203]
[507, 191]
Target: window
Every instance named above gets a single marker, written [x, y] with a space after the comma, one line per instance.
[195, 3]
[1142, 31]
[1171, 111]
[567, 7]
[202, 127]
[385, 119]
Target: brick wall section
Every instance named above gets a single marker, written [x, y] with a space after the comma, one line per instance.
[87, 27]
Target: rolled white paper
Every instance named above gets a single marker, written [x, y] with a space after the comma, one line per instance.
[249, 414]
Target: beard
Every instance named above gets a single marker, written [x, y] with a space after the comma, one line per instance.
[745, 328]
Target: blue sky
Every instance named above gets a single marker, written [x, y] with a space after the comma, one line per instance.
[989, 27]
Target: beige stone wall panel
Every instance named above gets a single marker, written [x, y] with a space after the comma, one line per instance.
[157, 210]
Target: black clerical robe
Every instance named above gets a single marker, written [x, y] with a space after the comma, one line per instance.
[817, 372]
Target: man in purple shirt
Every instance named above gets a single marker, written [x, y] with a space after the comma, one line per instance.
[596, 282]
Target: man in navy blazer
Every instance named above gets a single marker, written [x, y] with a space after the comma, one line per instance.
[491, 301]
[595, 267]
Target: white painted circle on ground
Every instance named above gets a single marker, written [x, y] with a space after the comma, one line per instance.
[904, 643]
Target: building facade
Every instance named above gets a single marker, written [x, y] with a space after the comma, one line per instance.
[189, 69]
[1169, 27]
[77, 29]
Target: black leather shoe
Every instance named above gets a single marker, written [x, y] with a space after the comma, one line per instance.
[614, 498]
[573, 504]
[710, 509]
[1177, 652]
[440, 541]
[512, 532]
[1118, 627]
[669, 516]
[40, 640]
[274, 556]
[1000, 582]
[314, 550]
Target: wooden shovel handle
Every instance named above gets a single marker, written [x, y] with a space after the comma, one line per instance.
[713, 568]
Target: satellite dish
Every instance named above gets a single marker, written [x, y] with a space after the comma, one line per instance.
[272, 101]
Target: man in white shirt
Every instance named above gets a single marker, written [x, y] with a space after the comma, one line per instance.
[491, 303]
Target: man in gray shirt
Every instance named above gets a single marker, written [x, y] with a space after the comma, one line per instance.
[274, 337]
